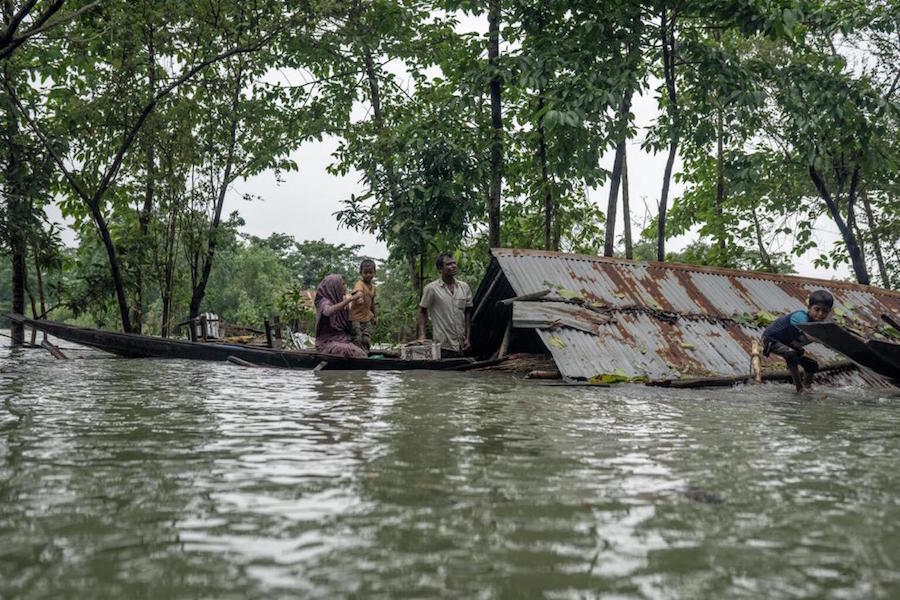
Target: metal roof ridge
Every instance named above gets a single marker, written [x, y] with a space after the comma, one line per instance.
[724, 271]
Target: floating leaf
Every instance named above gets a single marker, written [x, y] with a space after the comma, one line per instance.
[619, 376]
[556, 342]
[688, 346]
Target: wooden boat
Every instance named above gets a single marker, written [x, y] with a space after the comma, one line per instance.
[881, 356]
[133, 345]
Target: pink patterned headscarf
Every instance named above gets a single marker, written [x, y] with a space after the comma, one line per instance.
[330, 292]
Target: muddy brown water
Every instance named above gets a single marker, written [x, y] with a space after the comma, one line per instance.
[148, 478]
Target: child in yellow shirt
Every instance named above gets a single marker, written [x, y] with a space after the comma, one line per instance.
[362, 309]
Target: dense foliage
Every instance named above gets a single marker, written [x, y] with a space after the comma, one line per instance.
[136, 118]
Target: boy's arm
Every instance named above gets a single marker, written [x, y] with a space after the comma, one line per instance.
[797, 318]
[361, 297]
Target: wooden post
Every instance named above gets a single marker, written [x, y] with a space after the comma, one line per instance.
[279, 343]
[504, 345]
[204, 327]
[268, 328]
[755, 363]
[795, 377]
[487, 295]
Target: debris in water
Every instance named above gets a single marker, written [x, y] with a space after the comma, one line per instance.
[700, 495]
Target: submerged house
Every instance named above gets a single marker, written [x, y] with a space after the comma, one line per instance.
[613, 319]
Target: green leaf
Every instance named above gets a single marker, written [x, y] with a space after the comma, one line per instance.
[556, 342]
[569, 294]
[619, 376]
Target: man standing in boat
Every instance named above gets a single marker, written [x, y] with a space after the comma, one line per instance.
[448, 303]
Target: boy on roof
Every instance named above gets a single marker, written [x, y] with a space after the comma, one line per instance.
[784, 338]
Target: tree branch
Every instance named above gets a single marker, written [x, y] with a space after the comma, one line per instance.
[69, 176]
[17, 18]
[148, 108]
[40, 25]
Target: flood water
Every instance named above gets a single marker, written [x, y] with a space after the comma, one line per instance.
[140, 478]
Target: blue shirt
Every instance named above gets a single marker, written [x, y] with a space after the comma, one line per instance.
[784, 328]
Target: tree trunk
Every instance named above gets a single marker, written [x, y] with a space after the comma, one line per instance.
[35, 249]
[496, 124]
[668, 51]
[169, 272]
[876, 243]
[393, 192]
[147, 208]
[720, 185]
[415, 276]
[610, 238]
[846, 229]
[199, 291]
[626, 208]
[763, 253]
[16, 212]
[663, 204]
[545, 179]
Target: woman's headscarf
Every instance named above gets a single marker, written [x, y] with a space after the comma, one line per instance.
[330, 289]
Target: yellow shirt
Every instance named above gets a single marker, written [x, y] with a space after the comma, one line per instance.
[363, 308]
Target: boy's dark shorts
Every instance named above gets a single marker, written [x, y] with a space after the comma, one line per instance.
[793, 356]
[362, 333]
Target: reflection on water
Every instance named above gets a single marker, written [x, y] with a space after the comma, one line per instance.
[166, 478]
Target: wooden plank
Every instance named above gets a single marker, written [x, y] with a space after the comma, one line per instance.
[241, 362]
[487, 295]
[504, 344]
[268, 329]
[56, 352]
[548, 315]
[523, 297]
[783, 376]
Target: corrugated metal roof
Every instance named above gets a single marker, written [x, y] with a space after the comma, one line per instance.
[671, 320]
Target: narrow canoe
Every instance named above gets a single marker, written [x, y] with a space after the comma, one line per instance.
[133, 345]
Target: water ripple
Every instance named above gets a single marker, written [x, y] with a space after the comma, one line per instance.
[169, 478]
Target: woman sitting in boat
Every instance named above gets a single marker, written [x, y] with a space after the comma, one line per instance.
[333, 334]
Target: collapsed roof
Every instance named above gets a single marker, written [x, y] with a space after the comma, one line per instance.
[659, 321]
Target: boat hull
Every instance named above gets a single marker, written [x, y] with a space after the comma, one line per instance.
[883, 357]
[133, 345]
